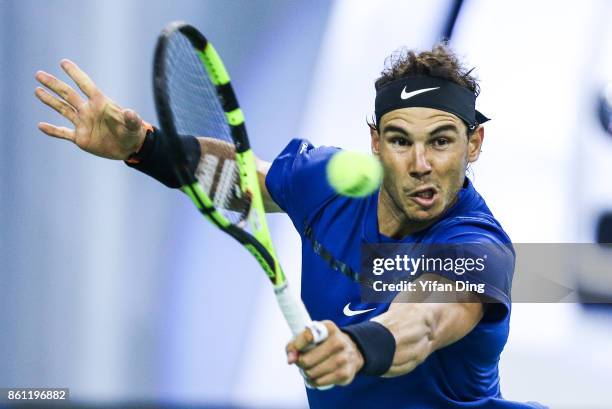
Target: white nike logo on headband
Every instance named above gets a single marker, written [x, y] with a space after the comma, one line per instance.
[406, 95]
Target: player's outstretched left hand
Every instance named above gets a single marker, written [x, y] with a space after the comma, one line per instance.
[334, 361]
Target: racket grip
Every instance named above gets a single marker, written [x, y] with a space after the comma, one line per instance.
[293, 309]
[296, 316]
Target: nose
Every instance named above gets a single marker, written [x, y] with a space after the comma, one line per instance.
[419, 166]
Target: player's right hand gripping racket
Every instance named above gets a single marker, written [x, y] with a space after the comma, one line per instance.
[194, 97]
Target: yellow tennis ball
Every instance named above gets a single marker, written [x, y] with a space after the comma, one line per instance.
[354, 174]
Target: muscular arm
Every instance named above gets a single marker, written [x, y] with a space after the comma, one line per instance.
[420, 328]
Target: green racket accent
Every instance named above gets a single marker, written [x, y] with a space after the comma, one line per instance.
[235, 117]
[261, 232]
[214, 66]
[248, 175]
[250, 183]
[198, 197]
[262, 262]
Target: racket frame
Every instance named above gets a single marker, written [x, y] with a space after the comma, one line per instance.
[259, 244]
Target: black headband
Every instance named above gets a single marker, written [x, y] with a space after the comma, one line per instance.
[429, 92]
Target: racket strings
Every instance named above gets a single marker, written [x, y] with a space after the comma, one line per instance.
[197, 111]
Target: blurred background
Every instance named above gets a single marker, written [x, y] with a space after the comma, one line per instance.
[113, 286]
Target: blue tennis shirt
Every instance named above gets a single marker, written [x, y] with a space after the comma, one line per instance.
[462, 375]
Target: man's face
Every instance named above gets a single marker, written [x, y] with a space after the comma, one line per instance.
[424, 153]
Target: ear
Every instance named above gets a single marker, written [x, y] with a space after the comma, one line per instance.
[475, 144]
[375, 140]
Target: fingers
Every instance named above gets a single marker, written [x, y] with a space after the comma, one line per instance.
[337, 377]
[331, 366]
[292, 355]
[334, 365]
[303, 340]
[79, 77]
[300, 342]
[67, 111]
[60, 88]
[331, 362]
[57, 131]
[336, 360]
[314, 357]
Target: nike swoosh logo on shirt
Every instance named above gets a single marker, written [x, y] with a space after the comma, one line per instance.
[349, 313]
[406, 95]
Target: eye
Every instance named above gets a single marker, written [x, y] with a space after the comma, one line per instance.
[399, 141]
[441, 142]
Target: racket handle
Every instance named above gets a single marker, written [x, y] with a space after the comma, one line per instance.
[293, 309]
[296, 316]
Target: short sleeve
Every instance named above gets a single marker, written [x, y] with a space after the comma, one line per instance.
[297, 180]
[478, 238]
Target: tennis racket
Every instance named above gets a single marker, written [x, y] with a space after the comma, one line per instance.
[194, 97]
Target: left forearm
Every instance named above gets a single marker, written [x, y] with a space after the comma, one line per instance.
[420, 328]
[414, 331]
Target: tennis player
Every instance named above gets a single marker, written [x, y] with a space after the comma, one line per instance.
[409, 354]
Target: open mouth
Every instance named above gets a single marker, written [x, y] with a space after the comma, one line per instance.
[424, 197]
[425, 194]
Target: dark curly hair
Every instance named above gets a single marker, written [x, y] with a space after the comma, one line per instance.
[441, 61]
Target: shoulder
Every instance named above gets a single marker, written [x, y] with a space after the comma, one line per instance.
[476, 234]
[297, 179]
[472, 227]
